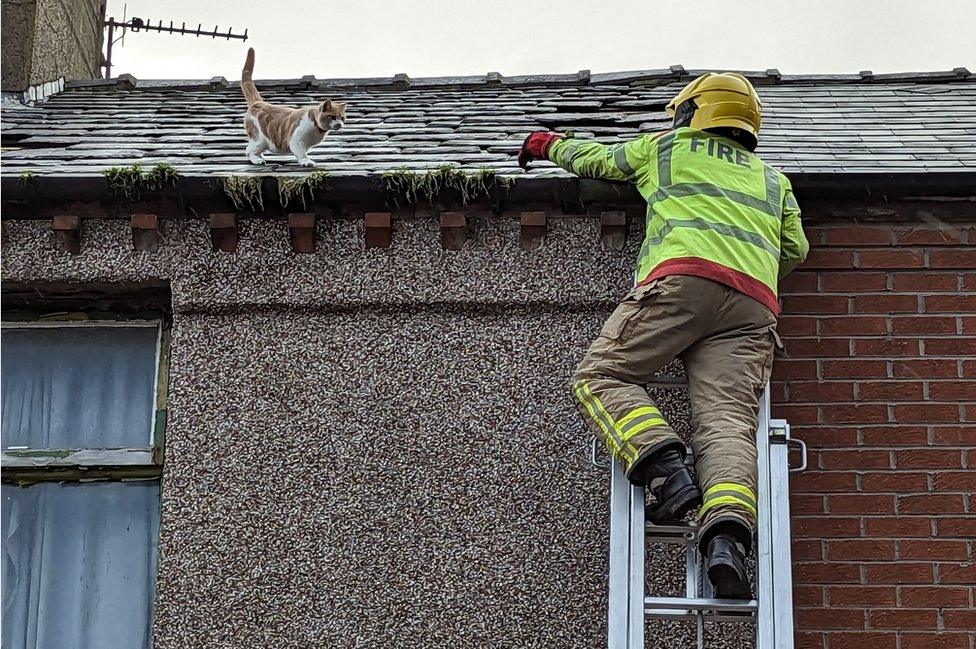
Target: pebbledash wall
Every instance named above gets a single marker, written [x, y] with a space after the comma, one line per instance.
[377, 447]
[374, 448]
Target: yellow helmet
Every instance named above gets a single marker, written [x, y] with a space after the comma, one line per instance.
[724, 100]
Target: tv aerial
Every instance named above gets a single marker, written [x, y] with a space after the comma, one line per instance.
[136, 25]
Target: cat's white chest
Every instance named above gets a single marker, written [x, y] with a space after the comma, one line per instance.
[307, 133]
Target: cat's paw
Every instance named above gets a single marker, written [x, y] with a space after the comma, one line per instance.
[256, 160]
[307, 162]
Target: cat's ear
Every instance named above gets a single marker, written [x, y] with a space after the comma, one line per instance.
[326, 106]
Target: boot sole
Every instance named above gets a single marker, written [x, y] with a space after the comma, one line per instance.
[676, 507]
[728, 583]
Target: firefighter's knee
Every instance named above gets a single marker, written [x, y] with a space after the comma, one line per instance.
[576, 385]
[584, 373]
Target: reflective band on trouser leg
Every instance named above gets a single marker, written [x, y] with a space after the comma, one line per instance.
[638, 420]
[729, 493]
[599, 415]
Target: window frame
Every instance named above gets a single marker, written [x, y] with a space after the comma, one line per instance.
[24, 465]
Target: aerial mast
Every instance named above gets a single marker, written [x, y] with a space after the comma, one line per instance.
[140, 25]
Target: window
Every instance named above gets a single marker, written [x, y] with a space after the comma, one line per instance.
[83, 412]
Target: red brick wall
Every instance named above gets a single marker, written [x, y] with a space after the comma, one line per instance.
[880, 327]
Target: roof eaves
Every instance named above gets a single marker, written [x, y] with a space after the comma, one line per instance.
[867, 193]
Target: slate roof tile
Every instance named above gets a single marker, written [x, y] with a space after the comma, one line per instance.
[902, 123]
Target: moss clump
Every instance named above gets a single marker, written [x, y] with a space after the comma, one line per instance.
[302, 188]
[130, 182]
[27, 178]
[159, 175]
[411, 187]
[124, 181]
[244, 191]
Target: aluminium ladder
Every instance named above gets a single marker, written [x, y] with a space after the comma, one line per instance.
[771, 611]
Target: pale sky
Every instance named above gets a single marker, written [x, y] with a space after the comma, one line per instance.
[353, 38]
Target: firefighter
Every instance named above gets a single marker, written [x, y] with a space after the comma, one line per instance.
[722, 228]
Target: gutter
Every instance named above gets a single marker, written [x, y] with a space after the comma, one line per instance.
[823, 196]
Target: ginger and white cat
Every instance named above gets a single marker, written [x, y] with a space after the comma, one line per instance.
[280, 129]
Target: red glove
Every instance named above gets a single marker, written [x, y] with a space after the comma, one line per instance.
[536, 147]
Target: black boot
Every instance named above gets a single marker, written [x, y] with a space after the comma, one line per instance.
[674, 498]
[675, 495]
[726, 568]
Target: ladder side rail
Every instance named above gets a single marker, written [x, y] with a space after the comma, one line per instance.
[618, 605]
[765, 617]
[693, 581]
[692, 577]
[782, 568]
[638, 540]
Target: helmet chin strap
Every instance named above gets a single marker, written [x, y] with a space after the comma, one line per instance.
[684, 112]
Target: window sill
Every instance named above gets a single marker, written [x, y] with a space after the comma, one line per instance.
[82, 458]
[28, 466]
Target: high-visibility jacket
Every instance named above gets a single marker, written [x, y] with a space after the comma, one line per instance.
[714, 209]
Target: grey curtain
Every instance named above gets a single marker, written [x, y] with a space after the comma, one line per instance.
[79, 559]
[78, 387]
[79, 565]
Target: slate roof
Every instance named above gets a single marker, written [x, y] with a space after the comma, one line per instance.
[813, 124]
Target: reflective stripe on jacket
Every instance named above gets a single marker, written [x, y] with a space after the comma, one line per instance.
[714, 209]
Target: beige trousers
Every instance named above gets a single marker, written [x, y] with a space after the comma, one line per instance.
[726, 341]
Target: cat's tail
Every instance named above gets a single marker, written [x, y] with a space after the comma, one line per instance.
[251, 93]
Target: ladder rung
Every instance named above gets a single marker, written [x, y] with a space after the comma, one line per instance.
[679, 534]
[684, 607]
[691, 616]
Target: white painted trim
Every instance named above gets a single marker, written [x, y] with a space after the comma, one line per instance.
[64, 324]
[155, 386]
[84, 457]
